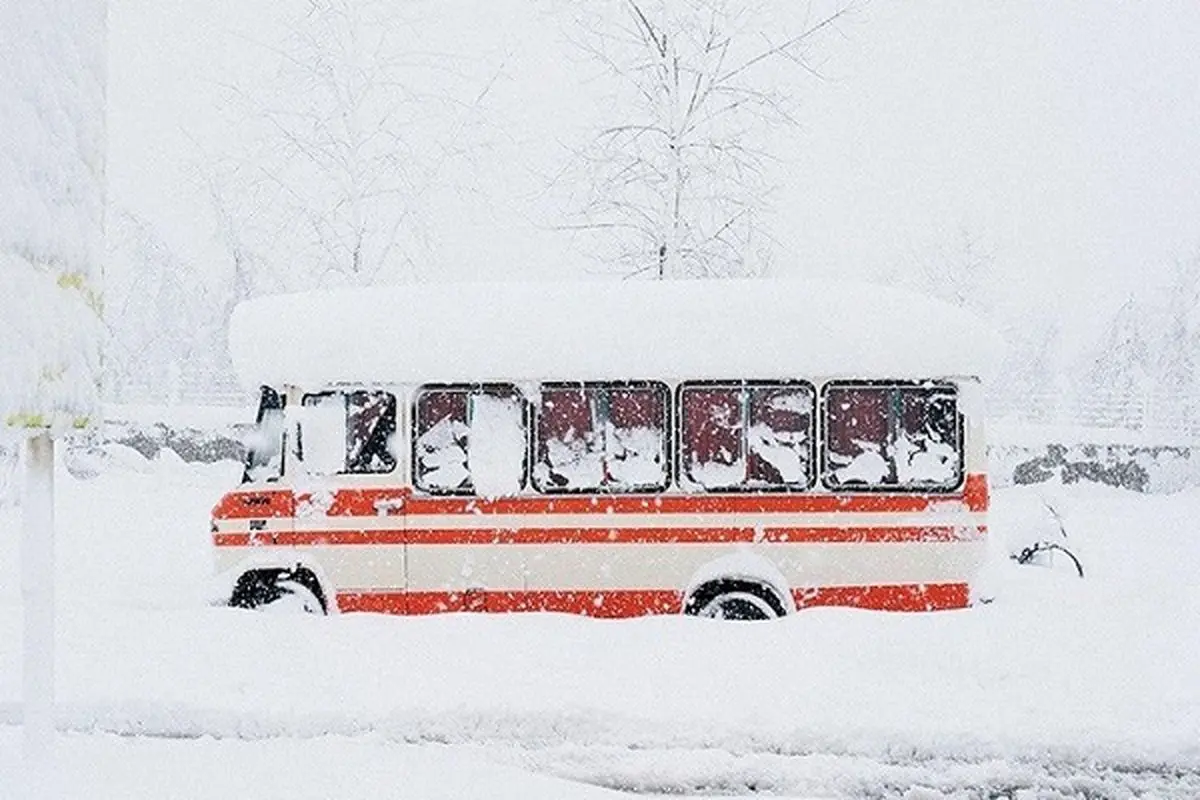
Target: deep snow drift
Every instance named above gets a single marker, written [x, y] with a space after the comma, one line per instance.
[1081, 687]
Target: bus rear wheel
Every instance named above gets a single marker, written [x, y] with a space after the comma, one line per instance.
[737, 600]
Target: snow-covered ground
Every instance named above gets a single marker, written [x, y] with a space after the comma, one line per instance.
[1060, 686]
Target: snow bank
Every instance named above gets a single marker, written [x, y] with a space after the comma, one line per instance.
[605, 330]
[1086, 687]
[314, 769]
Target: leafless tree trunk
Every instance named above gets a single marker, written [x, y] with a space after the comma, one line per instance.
[674, 184]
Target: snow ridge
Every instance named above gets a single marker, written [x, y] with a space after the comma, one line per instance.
[641, 757]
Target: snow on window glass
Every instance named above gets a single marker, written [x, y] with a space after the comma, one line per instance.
[926, 447]
[322, 440]
[635, 438]
[440, 443]
[713, 452]
[496, 452]
[597, 437]
[470, 440]
[570, 447]
[778, 437]
[746, 436]
[892, 436]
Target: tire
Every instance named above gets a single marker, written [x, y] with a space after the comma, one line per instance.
[279, 591]
[736, 600]
[294, 598]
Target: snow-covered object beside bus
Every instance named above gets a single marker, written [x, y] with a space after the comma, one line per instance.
[593, 448]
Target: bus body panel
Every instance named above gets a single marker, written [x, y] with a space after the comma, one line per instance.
[385, 548]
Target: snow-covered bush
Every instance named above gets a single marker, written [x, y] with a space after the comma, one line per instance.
[1139, 468]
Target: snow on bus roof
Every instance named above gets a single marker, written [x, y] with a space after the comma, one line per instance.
[453, 332]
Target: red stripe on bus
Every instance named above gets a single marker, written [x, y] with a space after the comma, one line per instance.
[363, 503]
[681, 535]
[268, 504]
[913, 597]
[585, 536]
[640, 602]
[976, 492]
[973, 495]
[608, 603]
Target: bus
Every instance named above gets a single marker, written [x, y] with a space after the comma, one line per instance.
[735, 449]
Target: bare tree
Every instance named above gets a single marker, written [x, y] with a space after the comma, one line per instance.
[1119, 375]
[961, 271]
[1175, 336]
[352, 133]
[674, 182]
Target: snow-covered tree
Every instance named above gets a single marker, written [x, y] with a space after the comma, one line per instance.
[674, 182]
[1173, 323]
[352, 131]
[1030, 383]
[52, 148]
[167, 319]
[1118, 379]
[51, 210]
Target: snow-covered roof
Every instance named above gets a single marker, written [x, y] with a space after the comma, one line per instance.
[604, 331]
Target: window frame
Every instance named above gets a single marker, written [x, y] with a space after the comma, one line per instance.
[751, 383]
[467, 388]
[345, 393]
[867, 383]
[667, 432]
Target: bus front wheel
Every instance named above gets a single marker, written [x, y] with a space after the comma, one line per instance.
[281, 590]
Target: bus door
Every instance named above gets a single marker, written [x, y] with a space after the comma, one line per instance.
[261, 508]
[350, 496]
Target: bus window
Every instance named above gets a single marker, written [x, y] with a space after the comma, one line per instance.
[264, 445]
[779, 437]
[892, 436]
[712, 437]
[601, 437]
[469, 440]
[440, 441]
[370, 426]
[347, 433]
[635, 438]
[751, 436]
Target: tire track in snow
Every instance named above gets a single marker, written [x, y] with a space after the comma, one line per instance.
[633, 756]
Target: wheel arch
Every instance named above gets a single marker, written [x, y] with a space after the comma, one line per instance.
[742, 571]
[271, 567]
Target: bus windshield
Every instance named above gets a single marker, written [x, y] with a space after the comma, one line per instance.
[264, 445]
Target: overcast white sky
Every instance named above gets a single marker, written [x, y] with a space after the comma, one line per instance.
[1064, 136]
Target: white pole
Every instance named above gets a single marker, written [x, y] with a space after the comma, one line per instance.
[37, 590]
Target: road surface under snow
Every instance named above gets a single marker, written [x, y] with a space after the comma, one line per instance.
[1057, 687]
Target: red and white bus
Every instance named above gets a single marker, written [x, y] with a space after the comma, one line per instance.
[734, 449]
